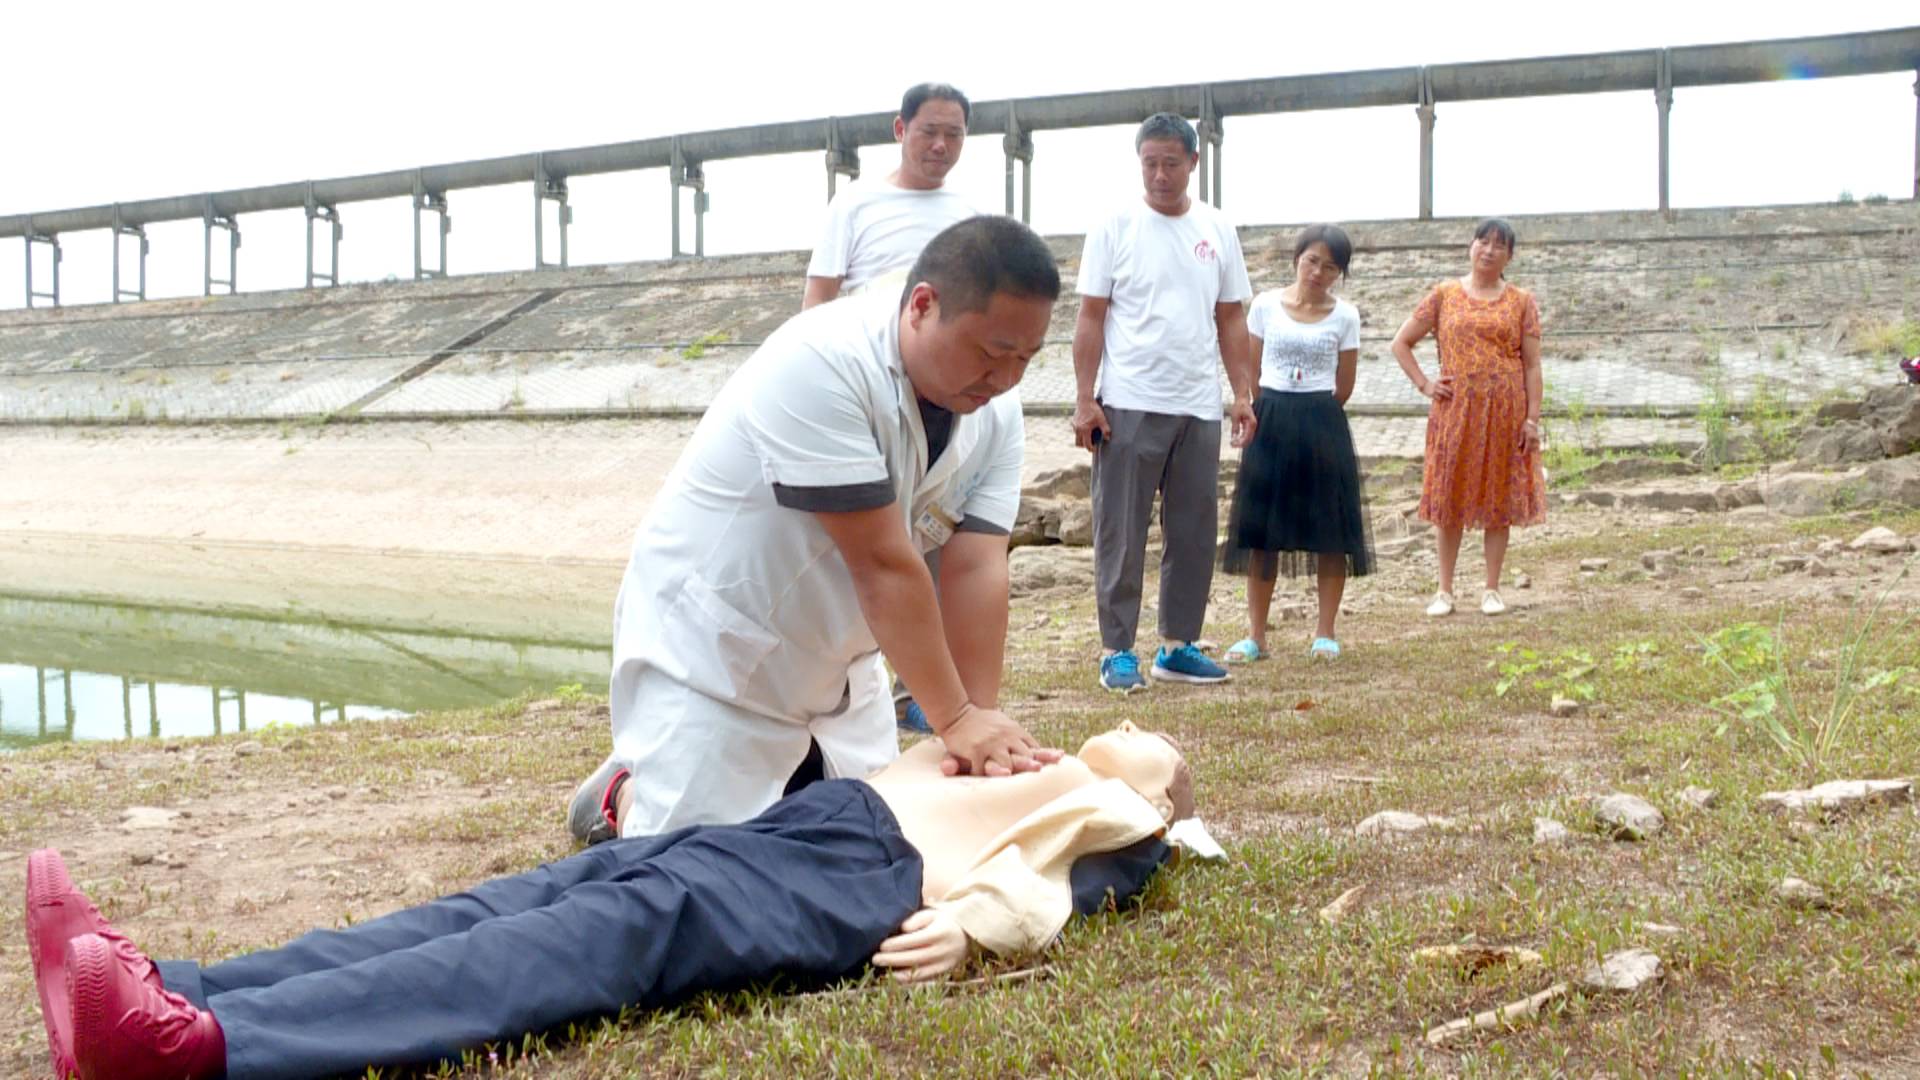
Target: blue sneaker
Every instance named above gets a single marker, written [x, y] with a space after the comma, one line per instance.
[1186, 664]
[1121, 673]
[914, 719]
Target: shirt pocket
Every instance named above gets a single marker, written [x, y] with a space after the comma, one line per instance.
[719, 647]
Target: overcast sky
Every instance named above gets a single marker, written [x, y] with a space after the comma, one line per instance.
[115, 102]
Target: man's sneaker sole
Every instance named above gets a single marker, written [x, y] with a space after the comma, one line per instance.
[1162, 674]
[1134, 689]
[585, 823]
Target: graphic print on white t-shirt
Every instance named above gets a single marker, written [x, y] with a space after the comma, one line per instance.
[1296, 356]
[1163, 277]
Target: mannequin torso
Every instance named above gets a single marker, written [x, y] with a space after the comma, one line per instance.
[950, 819]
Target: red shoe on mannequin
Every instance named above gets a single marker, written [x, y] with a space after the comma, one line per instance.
[56, 914]
[126, 1028]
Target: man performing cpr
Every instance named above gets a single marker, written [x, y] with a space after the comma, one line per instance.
[786, 550]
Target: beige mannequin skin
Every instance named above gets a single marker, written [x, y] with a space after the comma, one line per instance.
[949, 819]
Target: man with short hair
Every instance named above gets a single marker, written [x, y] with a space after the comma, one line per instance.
[1162, 286]
[786, 551]
[876, 229]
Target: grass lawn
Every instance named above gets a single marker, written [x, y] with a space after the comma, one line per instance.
[1226, 968]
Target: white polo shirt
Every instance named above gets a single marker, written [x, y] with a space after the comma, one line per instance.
[874, 228]
[1163, 275]
[747, 600]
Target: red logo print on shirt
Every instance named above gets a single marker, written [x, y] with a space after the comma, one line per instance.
[1203, 251]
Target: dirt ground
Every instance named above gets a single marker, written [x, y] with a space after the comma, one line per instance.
[252, 840]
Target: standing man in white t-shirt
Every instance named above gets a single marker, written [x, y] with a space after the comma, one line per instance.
[1162, 286]
[877, 228]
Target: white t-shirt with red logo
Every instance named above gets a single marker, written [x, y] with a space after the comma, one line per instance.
[1163, 275]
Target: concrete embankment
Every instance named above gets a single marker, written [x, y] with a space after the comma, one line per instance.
[478, 450]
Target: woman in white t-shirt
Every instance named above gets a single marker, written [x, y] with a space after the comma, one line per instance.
[1298, 504]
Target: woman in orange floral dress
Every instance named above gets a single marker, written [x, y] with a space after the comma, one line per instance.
[1483, 429]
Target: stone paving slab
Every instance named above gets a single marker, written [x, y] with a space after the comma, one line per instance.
[254, 391]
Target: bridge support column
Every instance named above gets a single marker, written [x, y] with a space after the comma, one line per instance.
[1426, 144]
[549, 189]
[214, 220]
[122, 230]
[689, 174]
[331, 216]
[842, 160]
[1211, 136]
[1018, 146]
[1663, 101]
[429, 202]
[52, 243]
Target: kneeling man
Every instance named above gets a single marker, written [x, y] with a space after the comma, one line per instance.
[786, 551]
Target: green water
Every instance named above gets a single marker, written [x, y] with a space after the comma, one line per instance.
[73, 669]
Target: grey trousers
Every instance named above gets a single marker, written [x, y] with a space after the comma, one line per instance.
[1178, 457]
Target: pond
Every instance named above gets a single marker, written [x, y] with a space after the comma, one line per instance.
[80, 669]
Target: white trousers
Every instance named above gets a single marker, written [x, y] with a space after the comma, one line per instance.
[697, 760]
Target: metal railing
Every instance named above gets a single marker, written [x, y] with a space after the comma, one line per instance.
[840, 138]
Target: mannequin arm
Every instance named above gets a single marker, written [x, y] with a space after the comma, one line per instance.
[930, 944]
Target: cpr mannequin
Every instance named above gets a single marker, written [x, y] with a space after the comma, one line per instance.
[907, 869]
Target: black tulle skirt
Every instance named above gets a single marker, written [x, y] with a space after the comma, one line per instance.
[1298, 498]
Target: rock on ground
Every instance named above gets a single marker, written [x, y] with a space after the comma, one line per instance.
[1699, 797]
[1388, 822]
[1841, 443]
[1802, 894]
[1838, 796]
[1036, 569]
[1894, 412]
[1623, 972]
[1076, 525]
[143, 818]
[1809, 494]
[1072, 482]
[1628, 817]
[1896, 481]
[1881, 541]
[1343, 905]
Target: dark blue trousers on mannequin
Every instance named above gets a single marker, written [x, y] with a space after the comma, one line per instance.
[808, 889]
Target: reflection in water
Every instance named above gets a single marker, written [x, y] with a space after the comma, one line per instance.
[88, 705]
[83, 670]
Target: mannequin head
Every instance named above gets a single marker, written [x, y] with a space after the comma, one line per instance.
[1149, 763]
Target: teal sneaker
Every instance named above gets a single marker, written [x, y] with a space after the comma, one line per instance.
[914, 719]
[1187, 664]
[1120, 673]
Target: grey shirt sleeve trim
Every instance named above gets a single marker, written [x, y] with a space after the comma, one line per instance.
[835, 498]
[975, 524]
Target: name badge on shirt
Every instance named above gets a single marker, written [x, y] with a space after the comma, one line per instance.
[935, 525]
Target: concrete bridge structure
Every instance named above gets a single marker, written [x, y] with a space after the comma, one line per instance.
[1661, 72]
